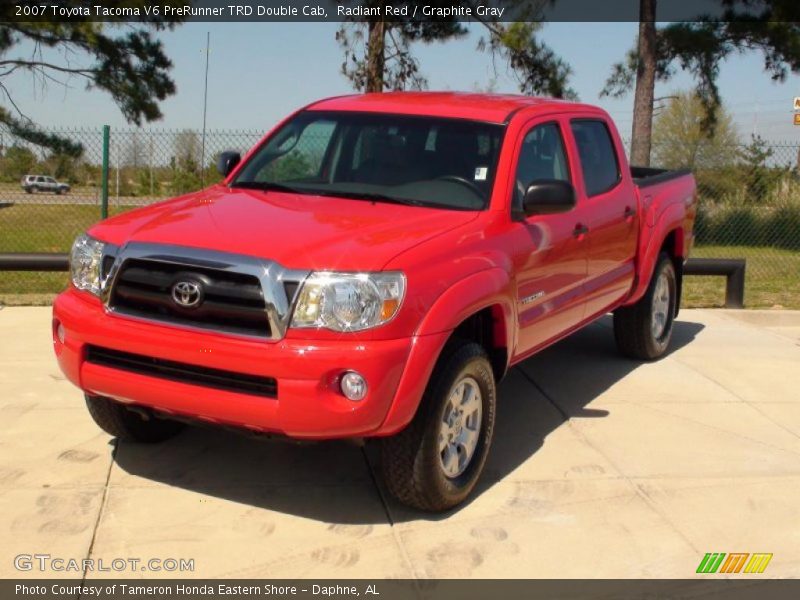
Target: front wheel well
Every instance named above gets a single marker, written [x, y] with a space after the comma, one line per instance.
[487, 328]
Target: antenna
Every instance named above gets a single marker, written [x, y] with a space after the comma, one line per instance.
[205, 108]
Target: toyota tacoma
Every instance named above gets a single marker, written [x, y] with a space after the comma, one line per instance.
[371, 269]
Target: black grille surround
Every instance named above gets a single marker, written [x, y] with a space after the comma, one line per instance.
[232, 302]
[219, 379]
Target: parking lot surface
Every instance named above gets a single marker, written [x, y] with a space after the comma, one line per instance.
[601, 467]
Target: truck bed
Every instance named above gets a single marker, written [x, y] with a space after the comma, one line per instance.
[647, 176]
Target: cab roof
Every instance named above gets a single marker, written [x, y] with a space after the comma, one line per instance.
[492, 108]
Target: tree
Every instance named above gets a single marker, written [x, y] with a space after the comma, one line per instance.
[760, 179]
[134, 153]
[535, 66]
[62, 166]
[187, 151]
[18, 162]
[680, 141]
[186, 176]
[378, 55]
[700, 46]
[382, 58]
[128, 63]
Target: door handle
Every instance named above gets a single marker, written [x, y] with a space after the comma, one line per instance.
[580, 229]
[629, 212]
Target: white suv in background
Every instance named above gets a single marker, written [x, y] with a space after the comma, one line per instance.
[43, 183]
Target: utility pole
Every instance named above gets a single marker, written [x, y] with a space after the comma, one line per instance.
[205, 107]
[755, 119]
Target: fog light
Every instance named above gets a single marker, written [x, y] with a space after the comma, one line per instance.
[354, 386]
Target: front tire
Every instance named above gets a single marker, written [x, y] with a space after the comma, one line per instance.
[124, 424]
[435, 462]
[643, 330]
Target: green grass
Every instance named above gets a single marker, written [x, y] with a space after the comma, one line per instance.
[772, 278]
[773, 275]
[45, 227]
[41, 228]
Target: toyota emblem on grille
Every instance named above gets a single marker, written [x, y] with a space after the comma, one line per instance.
[187, 294]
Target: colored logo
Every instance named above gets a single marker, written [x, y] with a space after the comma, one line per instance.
[735, 562]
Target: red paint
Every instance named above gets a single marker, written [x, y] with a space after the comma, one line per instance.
[456, 263]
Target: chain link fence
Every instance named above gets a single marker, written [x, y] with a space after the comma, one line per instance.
[749, 201]
[749, 208]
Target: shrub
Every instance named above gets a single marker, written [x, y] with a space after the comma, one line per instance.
[782, 227]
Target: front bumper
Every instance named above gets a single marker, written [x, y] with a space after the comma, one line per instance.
[308, 403]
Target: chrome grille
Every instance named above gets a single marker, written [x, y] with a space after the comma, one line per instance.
[241, 295]
[232, 302]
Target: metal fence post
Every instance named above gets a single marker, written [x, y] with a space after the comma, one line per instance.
[104, 183]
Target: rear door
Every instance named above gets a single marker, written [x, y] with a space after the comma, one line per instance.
[611, 214]
[553, 257]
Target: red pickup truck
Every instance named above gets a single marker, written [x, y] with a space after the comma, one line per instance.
[371, 269]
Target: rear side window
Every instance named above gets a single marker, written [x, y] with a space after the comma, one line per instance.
[597, 154]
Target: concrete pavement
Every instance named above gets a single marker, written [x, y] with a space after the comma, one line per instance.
[602, 467]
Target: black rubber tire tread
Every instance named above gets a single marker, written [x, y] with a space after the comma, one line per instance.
[124, 424]
[409, 465]
[632, 323]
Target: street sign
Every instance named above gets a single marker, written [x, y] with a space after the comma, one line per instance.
[797, 103]
[797, 118]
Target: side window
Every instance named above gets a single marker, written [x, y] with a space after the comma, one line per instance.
[299, 155]
[542, 156]
[597, 154]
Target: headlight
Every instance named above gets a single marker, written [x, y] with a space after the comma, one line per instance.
[85, 262]
[348, 301]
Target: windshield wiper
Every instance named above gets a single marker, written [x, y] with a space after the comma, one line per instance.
[377, 197]
[268, 186]
[372, 197]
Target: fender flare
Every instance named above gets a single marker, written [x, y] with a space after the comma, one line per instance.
[670, 220]
[484, 289]
[470, 295]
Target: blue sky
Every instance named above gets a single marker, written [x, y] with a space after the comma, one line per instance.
[261, 71]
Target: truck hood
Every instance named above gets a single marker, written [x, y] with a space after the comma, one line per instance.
[298, 231]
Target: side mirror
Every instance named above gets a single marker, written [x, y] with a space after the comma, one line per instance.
[227, 161]
[547, 197]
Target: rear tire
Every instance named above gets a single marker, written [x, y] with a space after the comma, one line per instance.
[124, 424]
[643, 330]
[435, 462]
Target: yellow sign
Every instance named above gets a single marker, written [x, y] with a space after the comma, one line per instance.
[797, 118]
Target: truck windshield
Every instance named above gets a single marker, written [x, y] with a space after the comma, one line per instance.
[379, 157]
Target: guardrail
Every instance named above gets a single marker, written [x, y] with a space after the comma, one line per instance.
[733, 269]
[33, 261]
